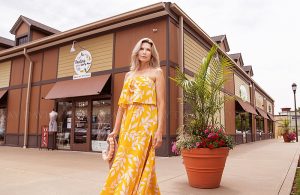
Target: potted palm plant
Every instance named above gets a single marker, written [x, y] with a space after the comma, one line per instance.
[201, 140]
[287, 135]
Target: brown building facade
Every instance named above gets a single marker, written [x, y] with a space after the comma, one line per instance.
[39, 73]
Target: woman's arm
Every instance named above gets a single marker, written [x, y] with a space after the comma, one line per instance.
[119, 116]
[161, 106]
[118, 121]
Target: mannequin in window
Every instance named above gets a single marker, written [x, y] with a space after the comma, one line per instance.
[53, 127]
[2, 124]
[102, 134]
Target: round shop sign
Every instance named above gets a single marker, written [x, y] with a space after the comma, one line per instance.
[82, 62]
[243, 93]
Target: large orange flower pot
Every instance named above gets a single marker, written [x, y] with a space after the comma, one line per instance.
[205, 166]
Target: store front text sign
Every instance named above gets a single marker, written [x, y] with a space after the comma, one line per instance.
[82, 65]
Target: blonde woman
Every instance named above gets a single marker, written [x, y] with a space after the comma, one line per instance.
[140, 122]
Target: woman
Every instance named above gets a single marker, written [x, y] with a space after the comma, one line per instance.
[140, 119]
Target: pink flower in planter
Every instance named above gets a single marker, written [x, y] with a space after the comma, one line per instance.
[291, 136]
[174, 148]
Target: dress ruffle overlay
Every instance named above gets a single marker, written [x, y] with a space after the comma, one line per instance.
[133, 169]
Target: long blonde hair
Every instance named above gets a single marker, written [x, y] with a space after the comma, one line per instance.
[154, 61]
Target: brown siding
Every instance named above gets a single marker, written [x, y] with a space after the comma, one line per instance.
[50, 64]
[22, 112]
[265, 125]
[174, 38]
[229, 84]
[26, 71]
[229, 106]
[45, 107]
[14, 98]
[34, 102]
[17, 71]
[37, 67]
[118, 85]
[37, 35]
[126, 40]
[23, 29]
[174, 115]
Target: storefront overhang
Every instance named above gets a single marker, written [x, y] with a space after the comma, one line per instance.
[2, 93]
[77, 88]
[271, 117]
[262, 113]
[246, 106]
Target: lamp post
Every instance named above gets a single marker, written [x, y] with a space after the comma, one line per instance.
[294, 87]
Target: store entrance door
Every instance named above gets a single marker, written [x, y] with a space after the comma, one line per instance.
[80, 133]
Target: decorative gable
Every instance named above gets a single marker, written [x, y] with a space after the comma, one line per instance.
[26, 30]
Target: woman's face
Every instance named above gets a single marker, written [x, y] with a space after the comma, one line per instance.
[144, 54]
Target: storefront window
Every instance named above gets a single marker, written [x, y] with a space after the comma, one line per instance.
[101, 124]
[64, 122]
[243, 123]
[81, 122]
[259, 125]
[2, 124]
[270, 127]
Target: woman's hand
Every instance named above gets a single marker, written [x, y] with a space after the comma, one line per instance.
[157, 140]
[112, 134]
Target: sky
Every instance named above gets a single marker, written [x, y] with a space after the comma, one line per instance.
[264, 31]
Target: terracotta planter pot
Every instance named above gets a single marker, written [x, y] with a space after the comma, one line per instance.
[205, 166]
[285, 137]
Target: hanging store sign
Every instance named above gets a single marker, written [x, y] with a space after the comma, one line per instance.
[82, 65]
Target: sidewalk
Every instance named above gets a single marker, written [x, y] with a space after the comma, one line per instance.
[265, 167]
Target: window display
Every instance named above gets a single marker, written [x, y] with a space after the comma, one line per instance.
[101, 124]
[64, 124]
[81, 122]
[2, 124]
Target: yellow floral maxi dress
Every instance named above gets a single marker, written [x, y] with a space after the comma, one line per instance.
[133, 170]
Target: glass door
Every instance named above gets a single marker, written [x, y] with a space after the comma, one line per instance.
[81, 126]
[101, 124]
[64, 125]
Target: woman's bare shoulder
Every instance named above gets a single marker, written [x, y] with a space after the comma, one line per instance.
[128, 74]
[158, 71]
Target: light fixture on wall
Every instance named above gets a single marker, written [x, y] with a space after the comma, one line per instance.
[73, 47]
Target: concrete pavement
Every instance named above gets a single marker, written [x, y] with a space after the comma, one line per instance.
[264, 167]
